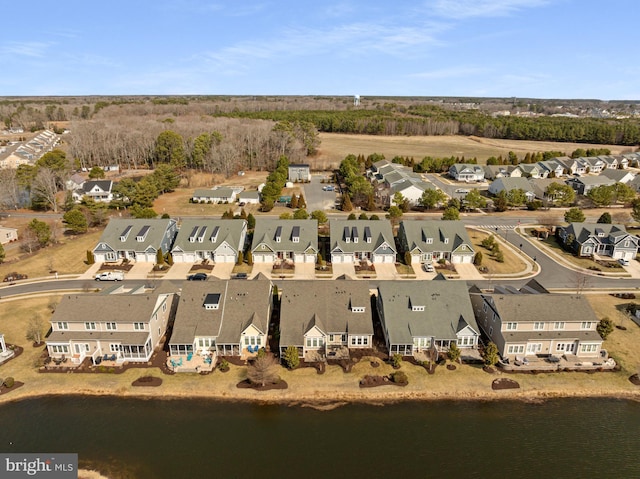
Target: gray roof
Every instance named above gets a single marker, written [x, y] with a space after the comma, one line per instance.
[617, 175]
[241, 303]
[593, 180]
[418, 231]
[540, 185]
[613, 233]
[266, 230]
[408, 183]
[118, 308]
[447, 309]
[213, 233]
[153, 232]
[511, 183]
[254, 195]
[378, 230]
[470, 167]
[104, 185]
[220, 192]
[542, 307]
[325, 304]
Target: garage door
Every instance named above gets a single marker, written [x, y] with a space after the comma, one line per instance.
[309, 258]
[224, 258]
[298, 258]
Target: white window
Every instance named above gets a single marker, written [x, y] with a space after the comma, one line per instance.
[484, 307]
[114, 348]
[164, 306]
[315, 342]
[90, 325]
[357, 309]
[512, 326]
[491, 331]
[417, 308]
[560, 346]
[155, 317]
[61, 348]
[586, 325]
[515, 349]
[429, 241]
[588, 348]
[446, 241]
[538, 326]
[63, 325]
[495, 316]
[111, 326]
[533, 348]
[138, 326]
[626, 244]
[558, 325]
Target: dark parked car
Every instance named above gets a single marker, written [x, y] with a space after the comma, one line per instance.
[14, 277]
[241, 276]
[197, 277]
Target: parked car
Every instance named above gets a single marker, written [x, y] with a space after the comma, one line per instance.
[110, 276]
[197, 277]
[241, 276]
[14, 277]
[428, 267]
[624, 262]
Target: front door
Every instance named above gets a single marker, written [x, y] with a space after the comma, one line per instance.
[571, 348]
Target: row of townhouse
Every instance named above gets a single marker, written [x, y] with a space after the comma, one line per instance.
[275, 240]
[29, 152]
[320, 319]
[391, 178]
[225, 194]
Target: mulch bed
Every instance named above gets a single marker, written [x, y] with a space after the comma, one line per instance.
[371, 381]
[504, 383]
[635, 379]
[489, 369]
[147, 381]
[451, 367]
[201, 267]
[6, 390]
[246, 384]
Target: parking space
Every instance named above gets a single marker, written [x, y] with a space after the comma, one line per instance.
[343, 268]
[421, 273]
[305, 271]
[633, 268]
[468, 271]
[179, 271]
[140, 270]
[223, 270]
[386, 271]
[264, 268]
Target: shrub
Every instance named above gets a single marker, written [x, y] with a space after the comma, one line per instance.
[488, 242]
[262, 352]
[399, 377]
[499, 257]
[223, 365]
[291, 357]
[9, 382]
[605, 327]
[477, 260]
[454, 353]
[90, 257]
[490, 354]
[396, 360]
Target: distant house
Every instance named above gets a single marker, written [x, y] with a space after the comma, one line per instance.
[526, 322]
[216, 240]
[135, 239]
[98, 190]
[281, 240]
[221, 194]
[418, 316]
[587, 239]
[410, 190]
[539, 187]
[355, 240]
[572, 165]
[219, 318]
[249, 197]
[551, 168]
[429, 241]
[511, 183]
[299, 172]
[121, 326]
[619, 176]
[635, 183]
[491, 172]
[75, 182]
[8, 235]
[592, 164]
[584, 184]
[611, 162]
[528, 170]
[466, 172]
[326, 320]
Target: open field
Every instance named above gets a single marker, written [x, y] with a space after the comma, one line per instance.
[335, 146]
[66, 257]
[305, 385]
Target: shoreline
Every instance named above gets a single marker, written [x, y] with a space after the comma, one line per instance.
[330, 402]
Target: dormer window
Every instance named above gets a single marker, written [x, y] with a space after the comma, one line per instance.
[192, 236]
[278, 236]
[141, 236]
[214, 235]
[125, 234]
[417, 308]
[295, 234]
[429, 241]
[446, 241]
[212, 301]
[367, 234]
[201, 234]
[357, 309]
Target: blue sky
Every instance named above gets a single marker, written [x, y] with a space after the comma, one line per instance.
[505, 48]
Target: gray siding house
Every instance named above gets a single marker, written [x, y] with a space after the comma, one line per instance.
[208, 239]
[325, 319]
[279, 240]
[418, 316]
[466, 172]
[429, 241]
[588, 239]
[135, 240]
[299, 172]
[219, 318]
[355, 240]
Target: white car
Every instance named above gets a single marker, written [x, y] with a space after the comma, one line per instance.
[624, 262]
[428, 267]
[110, 276]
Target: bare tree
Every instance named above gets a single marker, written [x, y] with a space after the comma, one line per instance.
[45, 187]
[264, 370]
[9, 188]
[35, 328]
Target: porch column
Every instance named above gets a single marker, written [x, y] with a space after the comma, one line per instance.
[3, 346]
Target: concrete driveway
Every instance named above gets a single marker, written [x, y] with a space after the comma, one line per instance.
[343, 268]
[386, 271]
[264, 268]
[468, 271]
[633, 268]
[222, 270]
[421, 273]
[178, 271]
[305, 271]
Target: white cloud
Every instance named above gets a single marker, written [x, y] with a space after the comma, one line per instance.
[460, 9]
[27, 49]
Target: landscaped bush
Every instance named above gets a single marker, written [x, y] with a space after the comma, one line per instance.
[223, 365]
[291, 357]
[399, 377]
[9, 382]
[396, 360]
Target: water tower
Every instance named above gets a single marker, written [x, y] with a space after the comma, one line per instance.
[356, 100]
